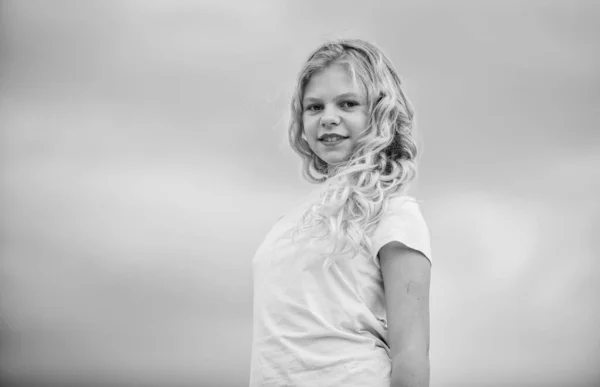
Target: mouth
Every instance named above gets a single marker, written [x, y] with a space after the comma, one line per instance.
[332, 141]
[335, 138]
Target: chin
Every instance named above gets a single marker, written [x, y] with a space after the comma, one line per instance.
[335, 162]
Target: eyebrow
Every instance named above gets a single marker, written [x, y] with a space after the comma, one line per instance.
[344, 95]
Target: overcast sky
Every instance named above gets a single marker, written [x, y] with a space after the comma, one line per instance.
[144, 157]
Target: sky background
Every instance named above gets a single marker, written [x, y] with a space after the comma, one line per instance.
[144, 157]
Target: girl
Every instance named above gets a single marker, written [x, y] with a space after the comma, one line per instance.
[341, 282]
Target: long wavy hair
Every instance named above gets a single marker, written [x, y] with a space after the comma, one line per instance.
[382, 164]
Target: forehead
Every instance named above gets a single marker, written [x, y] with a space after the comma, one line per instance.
[332, 80]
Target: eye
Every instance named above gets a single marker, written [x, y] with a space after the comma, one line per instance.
[349, 104]
[312, 108]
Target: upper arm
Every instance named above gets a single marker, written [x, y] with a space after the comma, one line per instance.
[406, 276]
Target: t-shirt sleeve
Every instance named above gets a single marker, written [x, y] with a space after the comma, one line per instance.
[402, 222]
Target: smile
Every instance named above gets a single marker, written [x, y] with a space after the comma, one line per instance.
[333, 142]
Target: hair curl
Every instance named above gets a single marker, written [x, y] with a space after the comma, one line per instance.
[383, 163]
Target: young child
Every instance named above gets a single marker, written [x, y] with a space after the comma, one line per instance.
[341, 282]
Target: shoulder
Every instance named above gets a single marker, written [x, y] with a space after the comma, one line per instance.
[404, 212]
[402, 224]
[403, 205]
[408, 239]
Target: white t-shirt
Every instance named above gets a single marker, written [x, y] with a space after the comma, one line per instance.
[317, 329]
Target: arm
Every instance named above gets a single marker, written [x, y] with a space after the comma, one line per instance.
[406, 276]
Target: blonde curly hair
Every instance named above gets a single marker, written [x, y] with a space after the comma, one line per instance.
[383, 163]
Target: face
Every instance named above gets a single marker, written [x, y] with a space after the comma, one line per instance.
[333, 104]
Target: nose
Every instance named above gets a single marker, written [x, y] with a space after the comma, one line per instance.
[330, 117]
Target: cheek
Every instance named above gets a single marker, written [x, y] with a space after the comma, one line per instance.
[309, 120]
[360, 124]
[309, 126]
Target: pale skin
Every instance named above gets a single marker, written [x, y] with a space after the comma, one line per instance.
[334, 104]
[406, 277]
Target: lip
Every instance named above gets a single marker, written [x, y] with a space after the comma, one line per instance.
[332, 143]
[330, 134]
